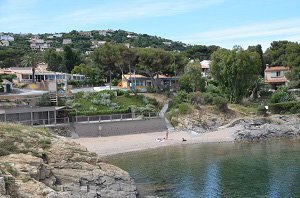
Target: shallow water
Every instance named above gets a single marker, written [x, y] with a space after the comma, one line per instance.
[269, 169]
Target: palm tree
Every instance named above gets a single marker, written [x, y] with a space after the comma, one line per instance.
[30, 60]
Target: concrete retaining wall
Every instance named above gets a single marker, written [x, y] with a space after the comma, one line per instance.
[119, 128]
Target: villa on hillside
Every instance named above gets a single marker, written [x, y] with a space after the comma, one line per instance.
[205, 67]
[142, 82]
[24, 75]
[275, 76]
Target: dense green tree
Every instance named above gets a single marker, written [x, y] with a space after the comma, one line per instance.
[54, 60]
[152, 62]
[192, 80]
[201, 52]
[235, 71]
[258, 49]
[71, 58]
[31, 60]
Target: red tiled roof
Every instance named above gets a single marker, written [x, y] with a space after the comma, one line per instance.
[277, 68]
[278, 80]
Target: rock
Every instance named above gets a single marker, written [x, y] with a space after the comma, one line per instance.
[274, 127]
[65, 170]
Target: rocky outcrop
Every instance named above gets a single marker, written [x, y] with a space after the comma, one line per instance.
[255, 129]
[62, 170]
[204, 120]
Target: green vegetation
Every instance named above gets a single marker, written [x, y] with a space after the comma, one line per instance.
[22, 139]
[105, 102]
[235, 71]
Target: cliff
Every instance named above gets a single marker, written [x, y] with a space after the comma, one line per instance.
[34, 163]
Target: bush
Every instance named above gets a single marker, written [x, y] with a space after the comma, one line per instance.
[102, 112]
[221, 103]
[281, 96]
[185, 108]
[197, 98]
[182, 96]
[261, 110]
[208, 98]
[285, 107]
[44, 101]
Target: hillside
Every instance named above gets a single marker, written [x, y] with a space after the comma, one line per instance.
[34, 163]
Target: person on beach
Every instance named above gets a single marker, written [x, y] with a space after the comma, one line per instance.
[167, 135]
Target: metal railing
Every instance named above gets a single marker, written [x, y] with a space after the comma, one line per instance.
[114, 117]
[85, 119]
[45, 122]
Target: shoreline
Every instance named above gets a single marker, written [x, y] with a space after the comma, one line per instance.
[113, 145]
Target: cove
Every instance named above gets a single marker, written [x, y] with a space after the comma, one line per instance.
[265, 169]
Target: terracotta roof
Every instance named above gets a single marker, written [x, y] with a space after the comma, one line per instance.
[205, 64]
[127, 76]
[277, 68]
[164, 76]
[278, 80]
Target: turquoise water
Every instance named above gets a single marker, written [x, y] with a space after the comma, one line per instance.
[216, 170]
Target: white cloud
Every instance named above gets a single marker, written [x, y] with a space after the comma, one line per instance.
[264, 32]
[136, 10]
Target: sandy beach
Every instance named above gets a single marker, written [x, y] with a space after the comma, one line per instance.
[105, 146]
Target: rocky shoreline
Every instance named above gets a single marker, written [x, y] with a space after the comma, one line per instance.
[247, 128]
[256, 129]
[57, 169]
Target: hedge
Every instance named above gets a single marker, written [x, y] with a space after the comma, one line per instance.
[103, 112]
[285, 107]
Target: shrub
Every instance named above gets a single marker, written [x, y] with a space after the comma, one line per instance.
[185, 108]
[197, 98]
[261, 110]
[221, 103]
[281, 96]
[182, 96]
[285, 107]
[44, 101]
[208, 98]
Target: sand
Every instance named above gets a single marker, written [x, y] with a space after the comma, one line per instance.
[105, 146]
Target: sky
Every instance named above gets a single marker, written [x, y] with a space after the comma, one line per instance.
[206, 22]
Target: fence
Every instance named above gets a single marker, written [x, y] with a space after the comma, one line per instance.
[114, 117]
[83, 119]
[44, 122]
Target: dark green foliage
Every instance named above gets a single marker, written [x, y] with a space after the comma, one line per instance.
[71, 58]
[259, 50]
[181, 96]
[281, 96]
[100, 112]
[7, 146]
[55, 60]
[8, 77]
[44, 101]
[285, 107]
[185, 108]
[261, 110]
[235, 71]
[221, 103]
[201, 52]
[192, 80]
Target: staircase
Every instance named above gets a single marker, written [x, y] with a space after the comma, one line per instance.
[53, 98]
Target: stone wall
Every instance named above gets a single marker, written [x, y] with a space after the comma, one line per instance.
[119, 128]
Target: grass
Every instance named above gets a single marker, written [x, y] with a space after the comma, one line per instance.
[15, 138]
[248, 110]
[125, 102]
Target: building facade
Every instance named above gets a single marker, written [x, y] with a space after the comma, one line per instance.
[275, 76]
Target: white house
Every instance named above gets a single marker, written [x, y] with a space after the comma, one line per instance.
[6, 38]
[205, 67]
[67, 41]
[4, 43]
